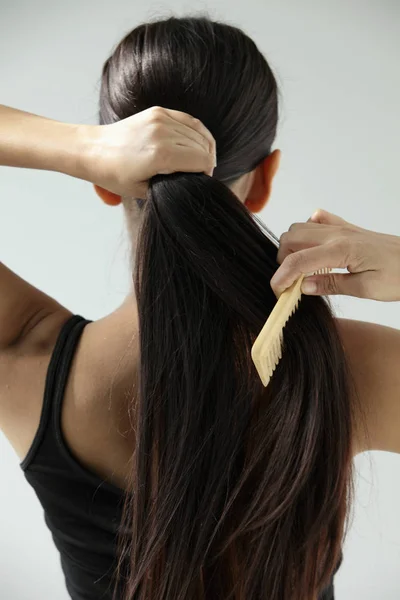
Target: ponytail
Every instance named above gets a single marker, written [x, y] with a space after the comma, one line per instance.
[231, 494]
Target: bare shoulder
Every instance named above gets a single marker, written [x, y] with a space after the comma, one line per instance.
[373, 352]
[23, 369]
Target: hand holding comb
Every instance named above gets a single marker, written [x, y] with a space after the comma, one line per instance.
[266, 351]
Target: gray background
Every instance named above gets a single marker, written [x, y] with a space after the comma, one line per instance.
[337, 64]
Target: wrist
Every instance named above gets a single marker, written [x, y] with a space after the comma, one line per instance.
[91, 149]
[75, 155]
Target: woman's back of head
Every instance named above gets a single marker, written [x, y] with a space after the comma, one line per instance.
[207, 69]
[237, 491]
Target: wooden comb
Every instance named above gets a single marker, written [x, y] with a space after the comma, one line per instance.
[266, 351]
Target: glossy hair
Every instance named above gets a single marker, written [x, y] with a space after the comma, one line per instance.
[237, 491]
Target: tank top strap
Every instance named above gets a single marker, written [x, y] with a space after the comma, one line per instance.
[56, 381]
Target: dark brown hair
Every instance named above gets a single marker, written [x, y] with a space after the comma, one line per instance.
[237, 492]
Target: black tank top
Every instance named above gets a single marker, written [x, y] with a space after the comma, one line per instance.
[82, 511]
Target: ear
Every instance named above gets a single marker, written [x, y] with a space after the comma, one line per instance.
[260, 190]
[108, 197]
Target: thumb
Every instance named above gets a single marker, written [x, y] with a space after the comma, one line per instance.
[347, 284]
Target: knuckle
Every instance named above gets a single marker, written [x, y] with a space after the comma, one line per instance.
[294, 261]
[321, 216]
[294, 226]
[156, 113]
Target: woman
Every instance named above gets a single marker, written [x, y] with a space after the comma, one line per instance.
[165, 469]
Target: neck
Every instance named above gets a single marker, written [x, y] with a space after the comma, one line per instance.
[113, 344]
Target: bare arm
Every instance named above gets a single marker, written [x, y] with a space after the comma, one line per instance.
[30, 319]
[31, 141]
[34, 142]
[373, 352]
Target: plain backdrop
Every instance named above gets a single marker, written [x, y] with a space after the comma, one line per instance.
[337, 64]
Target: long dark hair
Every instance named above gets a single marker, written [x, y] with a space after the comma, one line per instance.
[237, 492]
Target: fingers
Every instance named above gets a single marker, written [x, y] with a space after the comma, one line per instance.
[188, 159]
[183, 143]
[323, 216]
[304, 235]
[307, 235]
[193, 125]
[333, 255]
[324, 241]
[184, 134]
[327, 218]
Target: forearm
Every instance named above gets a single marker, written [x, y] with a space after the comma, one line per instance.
[34, 142]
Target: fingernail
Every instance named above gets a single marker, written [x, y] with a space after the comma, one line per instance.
[309, 287]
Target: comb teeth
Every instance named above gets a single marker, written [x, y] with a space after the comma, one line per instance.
[276, 352]
[268, 347]
[323, 271]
